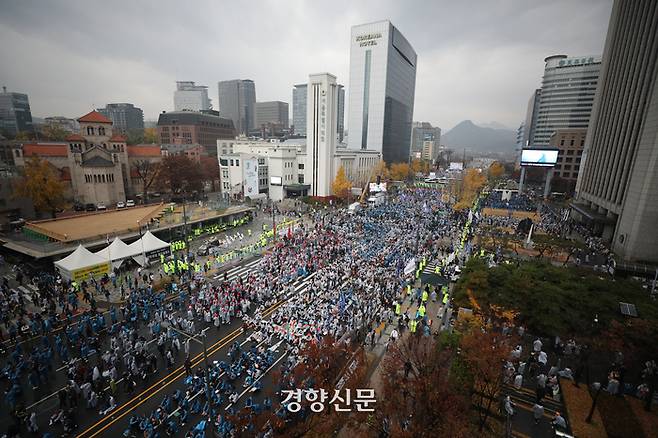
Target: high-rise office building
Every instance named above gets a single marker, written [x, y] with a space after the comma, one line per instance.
[567, 94]
[531, 113]
[125, 117]
[321, 121]
[617, 188]
[299, 96]
[15, 114]
[190, 97]
[341, 113]
[299, 93]
[422, 132]
[274, 113]
[382, 88]
[191, 127]
[237, 101]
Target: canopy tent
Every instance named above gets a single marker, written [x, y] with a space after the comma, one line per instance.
[149, 246]
[81, 264]
[115, 252]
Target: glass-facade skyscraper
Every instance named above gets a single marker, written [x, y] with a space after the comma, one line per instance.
[567, 94]
[299, 108]
[382, 89]
[237, 99]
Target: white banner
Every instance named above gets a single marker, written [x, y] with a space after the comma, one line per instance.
[411, 266]
[250, 177]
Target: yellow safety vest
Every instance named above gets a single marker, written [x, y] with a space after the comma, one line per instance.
[397, 308]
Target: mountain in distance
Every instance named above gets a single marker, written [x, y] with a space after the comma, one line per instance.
[492, 125]
[467, 135]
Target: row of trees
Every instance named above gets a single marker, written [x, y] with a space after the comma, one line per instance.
[395, 171]
[41, 182]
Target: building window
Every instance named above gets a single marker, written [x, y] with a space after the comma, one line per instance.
[237, 163]
[561, 142]
[568, 160]
[566, 175]
[301, 166]
[300, 178]
[101, 131]
[571, 144]
[90, 130]
[570, 152]
[567, 167]
[232, 163]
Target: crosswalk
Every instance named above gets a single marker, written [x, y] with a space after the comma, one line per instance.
[28, 291]
[239, 271]
[431, 266]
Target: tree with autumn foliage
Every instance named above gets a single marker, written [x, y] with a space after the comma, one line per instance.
[472, 181]
[400, 171]
[380, 170]
[179, 174]
[41, 183]
[418, 398]
[496, 170]
[151, 136]
[483, 353]
[341, 186]
[322, 365]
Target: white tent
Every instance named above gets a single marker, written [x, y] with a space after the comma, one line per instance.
[146, 245]
[115, 252]
[81, 263]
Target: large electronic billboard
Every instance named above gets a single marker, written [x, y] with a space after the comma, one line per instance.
[539, 157]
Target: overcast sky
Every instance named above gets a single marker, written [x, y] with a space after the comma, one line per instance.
[477, 60]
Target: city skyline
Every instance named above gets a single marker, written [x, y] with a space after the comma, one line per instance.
[81, 72]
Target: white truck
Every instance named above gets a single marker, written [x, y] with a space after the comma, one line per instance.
[354, 208]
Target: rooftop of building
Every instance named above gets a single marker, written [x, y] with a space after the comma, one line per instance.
[94, 117]
[191, 118]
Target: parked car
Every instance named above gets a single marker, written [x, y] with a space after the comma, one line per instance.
[130, 203]
[78, 207]
[202, 251]
[213, 241]
[90, 207]
[101, 206]
[121, 204]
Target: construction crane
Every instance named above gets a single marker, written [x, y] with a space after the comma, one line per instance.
[366, 187]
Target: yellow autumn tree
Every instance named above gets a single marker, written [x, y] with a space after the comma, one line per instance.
[151, 136]
[400, 171]
[341, 186]
[496, 170]
[473, 181]
[380, 170]
[41, 184]
[417, 165]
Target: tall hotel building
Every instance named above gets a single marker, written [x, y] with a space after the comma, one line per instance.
[381, 91]
[566, 97]
[617, 188]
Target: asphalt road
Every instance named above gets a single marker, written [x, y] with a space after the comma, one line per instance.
[149, 394]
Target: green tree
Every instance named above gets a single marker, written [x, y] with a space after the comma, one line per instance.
[135, 137]
[54, 132]
[41, 184]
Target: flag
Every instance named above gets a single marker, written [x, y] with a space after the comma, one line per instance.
[289, 232]
[410, 267]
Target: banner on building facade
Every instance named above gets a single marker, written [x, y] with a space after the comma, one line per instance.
[250, 186]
